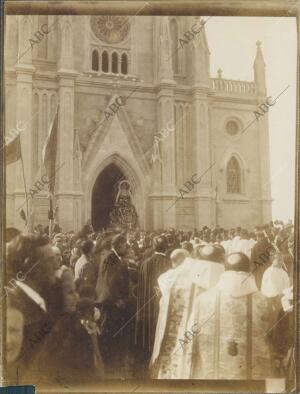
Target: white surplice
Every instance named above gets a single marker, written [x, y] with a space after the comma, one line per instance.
[274, 281]
[172, 353]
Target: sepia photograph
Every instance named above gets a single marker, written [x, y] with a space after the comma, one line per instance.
[150, 194]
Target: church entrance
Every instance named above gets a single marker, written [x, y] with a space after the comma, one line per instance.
[104, 195]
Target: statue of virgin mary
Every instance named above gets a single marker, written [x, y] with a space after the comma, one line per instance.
[124, 213]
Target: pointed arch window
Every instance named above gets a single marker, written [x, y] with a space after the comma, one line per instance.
[124, 64]
[174, 50]
[234, 181]
[95, 60]
[105, 62]
[114, 64]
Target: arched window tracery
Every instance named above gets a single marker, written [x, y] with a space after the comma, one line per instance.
[234, 179]
[95, 60]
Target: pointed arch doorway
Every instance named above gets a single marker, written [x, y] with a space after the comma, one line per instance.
[104, 194]
[100, 185]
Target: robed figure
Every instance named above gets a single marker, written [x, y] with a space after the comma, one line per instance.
[148, 298]
[180, 286]
[232, 323]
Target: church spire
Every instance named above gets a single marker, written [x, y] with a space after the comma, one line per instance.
[201, 53]
[165, 48]
[259, 71]
[66, 58]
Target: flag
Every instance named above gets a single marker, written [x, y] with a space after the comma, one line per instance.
[23, 215]
[12, 154]
[50, 212]
[49, 152]
[13, 150]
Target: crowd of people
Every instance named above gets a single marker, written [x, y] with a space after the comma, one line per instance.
[167, 304]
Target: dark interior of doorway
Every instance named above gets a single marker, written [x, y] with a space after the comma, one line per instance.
[104, 195]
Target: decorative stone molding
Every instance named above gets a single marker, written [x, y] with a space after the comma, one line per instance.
[233, 86]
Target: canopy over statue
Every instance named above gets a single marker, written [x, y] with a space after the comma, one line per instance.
[124, 213]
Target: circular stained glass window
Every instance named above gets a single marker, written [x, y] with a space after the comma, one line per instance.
[111, 29]
[232, 127]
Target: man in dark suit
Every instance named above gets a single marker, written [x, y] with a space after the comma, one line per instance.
[85, 269]
[173, 243]
[114, 298]
[148, 298]
[30, 275]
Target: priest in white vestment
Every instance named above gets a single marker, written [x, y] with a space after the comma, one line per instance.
[275, 278]
[232, 322]
[226, 245]
[243, 245]
[180, 286]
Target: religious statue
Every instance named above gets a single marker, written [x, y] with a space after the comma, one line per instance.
[124, 213]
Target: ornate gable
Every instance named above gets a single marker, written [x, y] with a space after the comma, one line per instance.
[116, 131]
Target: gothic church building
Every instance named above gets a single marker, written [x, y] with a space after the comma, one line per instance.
[92, 64]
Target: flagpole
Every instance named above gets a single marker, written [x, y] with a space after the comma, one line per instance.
[25, 188]
[46, 155]
[50, 215]
[217, 206]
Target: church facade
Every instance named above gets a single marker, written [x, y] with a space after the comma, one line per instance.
[136, 102]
